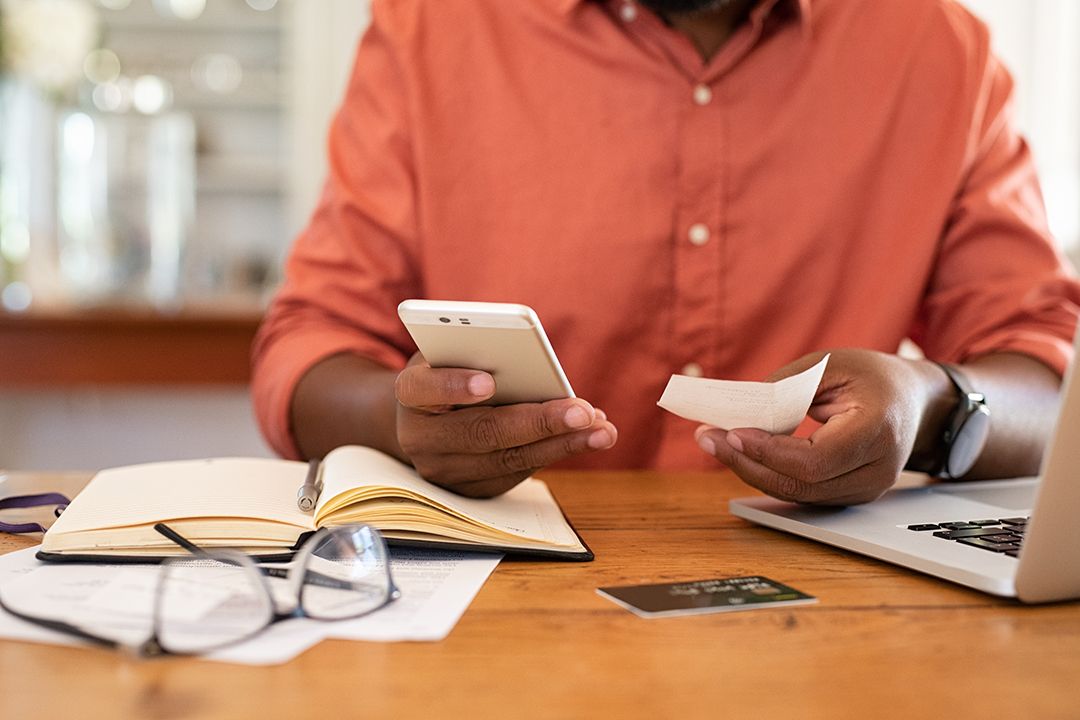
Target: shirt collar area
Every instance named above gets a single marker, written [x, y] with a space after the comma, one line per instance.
[800, 7]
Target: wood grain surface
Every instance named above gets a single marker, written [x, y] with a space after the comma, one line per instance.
[538, 642]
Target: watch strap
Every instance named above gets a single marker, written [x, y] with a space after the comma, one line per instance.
[969, 402]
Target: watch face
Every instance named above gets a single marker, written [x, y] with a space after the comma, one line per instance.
[969, 442]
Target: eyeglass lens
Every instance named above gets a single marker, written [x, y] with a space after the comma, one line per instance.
[207, 603]
[345, 575]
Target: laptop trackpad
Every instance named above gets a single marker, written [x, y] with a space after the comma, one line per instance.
[1007, 495]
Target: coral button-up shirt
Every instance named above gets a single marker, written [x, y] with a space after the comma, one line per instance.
[840, 173]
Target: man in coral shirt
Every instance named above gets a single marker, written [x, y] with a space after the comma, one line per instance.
[716, 187]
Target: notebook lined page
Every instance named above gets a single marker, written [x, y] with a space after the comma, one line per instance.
[528, 510]
[258, 488]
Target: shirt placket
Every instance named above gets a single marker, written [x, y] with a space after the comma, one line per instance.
[697, 234]
[698, 231]
[702, 157]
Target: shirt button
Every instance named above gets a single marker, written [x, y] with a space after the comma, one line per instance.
[692, 370]
[628, 12]
[702, 95]
[699, 234]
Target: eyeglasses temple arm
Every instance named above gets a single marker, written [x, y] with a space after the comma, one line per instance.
[61, 626]
[311, 577]
[179, 539]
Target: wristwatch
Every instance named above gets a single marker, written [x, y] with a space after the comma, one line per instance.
[965, 432]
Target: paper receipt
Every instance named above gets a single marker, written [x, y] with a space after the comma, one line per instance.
[776, 407]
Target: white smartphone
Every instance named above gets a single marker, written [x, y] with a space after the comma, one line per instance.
[504, 339]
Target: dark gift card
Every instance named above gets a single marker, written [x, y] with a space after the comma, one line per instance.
[704, 596]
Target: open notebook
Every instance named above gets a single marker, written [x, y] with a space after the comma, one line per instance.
[249, 504]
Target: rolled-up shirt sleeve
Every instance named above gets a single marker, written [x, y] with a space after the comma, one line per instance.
[355, 260]
[1000, 283]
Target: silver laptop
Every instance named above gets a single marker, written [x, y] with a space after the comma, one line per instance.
[1016, 538]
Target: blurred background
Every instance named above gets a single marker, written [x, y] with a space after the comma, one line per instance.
[158, 156]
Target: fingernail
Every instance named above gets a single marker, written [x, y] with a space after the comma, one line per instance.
[600, 439]
[706, 443]
[734, 441]
[481, 385]
[577, 417]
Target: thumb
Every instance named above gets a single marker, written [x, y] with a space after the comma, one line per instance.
[794, 368]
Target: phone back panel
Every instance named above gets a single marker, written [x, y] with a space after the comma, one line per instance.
[516, 357]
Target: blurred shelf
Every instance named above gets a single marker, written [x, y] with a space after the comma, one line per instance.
[184, 27]
[241, 129]
[216, 17]
[224, 174]
[127, 346]
[259, 101]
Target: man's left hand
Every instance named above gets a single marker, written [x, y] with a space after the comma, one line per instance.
[870, 405]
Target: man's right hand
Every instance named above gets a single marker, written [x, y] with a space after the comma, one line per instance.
[482, 451]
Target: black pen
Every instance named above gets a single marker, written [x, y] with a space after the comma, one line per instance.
[308, 494]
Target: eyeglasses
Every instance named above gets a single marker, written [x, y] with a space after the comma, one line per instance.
[215, 599]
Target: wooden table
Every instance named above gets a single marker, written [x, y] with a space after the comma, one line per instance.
[538, 642]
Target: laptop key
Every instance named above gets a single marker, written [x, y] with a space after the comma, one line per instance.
[957, 525]
[1003, 538]
[1015, 521]
[980, 543]
[969, 533]
[1013, 553]
[923, 526]
[982, 523]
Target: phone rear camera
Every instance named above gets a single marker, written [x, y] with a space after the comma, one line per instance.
[444, 320]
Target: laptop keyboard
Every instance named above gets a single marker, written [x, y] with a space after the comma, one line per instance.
[1004, 535]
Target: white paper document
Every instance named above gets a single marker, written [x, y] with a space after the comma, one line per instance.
[776, 407]
[117, 600]
[436, 588]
